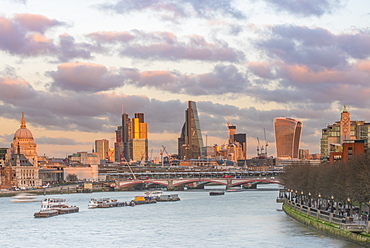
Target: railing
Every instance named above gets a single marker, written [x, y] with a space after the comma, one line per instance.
[345, 223]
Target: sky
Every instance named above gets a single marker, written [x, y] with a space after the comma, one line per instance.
[73, 66]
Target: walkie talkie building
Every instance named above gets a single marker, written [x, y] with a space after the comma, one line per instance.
[287, 137]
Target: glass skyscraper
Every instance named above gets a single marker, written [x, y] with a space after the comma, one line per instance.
[287, 137]
[190, 143]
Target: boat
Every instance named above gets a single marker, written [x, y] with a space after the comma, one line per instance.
[54, 206]
[153, 195]
[105, 203]
[24, 197]
[217, 193]
[235, 190]
[171, 197]
[138, 200]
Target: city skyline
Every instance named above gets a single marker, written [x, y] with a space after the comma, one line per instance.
[70, 69]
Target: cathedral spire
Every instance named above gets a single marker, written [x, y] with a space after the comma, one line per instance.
[23, 121]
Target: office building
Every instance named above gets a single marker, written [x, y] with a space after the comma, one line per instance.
[287, 137]
[343, 131]
[101, 148]
[190, 143]
[132, 139]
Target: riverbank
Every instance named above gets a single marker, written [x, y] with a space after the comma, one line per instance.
[65, 189]
[326, 227]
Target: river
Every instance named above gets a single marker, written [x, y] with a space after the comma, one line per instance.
[236, 219]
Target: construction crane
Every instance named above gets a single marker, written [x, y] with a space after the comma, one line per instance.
[168, 155]
[266, 143]
[262, 148]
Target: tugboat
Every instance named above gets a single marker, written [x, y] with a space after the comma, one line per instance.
[51, 207]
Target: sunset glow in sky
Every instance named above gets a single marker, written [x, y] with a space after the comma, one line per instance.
[72, 66]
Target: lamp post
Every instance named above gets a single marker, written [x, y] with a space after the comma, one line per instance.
[319, 201]
[332, 203]
[309, 199]
[301, 197]
[296, 196]
[348, 204]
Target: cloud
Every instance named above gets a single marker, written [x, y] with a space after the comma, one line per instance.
[175, 9]
[87, 77]
[24, 35]
[222, 80]
[294, 83]
[306, 8]
[69, 49]
[316, 48]
[56, 141]
[167, 46]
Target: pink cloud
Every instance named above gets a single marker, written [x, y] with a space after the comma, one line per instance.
[166, 45]
[24, 35]
[88, 77]
[36, 23]
[261, 69]
[303, 74]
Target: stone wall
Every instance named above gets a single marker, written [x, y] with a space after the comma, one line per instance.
[327, 228]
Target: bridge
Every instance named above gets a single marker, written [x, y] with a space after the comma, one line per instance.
[180, 183]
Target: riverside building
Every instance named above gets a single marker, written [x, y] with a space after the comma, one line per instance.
[354, 134]
[21, 165]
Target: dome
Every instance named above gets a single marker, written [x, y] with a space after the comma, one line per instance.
[23, 132]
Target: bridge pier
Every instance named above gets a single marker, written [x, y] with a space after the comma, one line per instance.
[170, 184]
[229, 183]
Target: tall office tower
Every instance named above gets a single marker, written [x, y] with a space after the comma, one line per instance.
[343, 130]
[139, 140]
[101, 148]
[232, 130]
[241, 138]
[132, 139]
[287, 136]
[190, 143]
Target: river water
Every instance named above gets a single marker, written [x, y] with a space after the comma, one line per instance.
[236, 219]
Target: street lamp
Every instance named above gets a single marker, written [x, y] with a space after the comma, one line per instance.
[296, 196]
[319, 201]
[301, 197]
[348, 204]
[332, 203]
[309, 199]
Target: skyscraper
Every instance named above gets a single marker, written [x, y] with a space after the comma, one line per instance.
[190, 143]
[101, 148]
[287, 137]
[132, 139]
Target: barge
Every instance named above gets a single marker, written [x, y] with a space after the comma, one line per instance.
[217, 193]
[171, 197]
